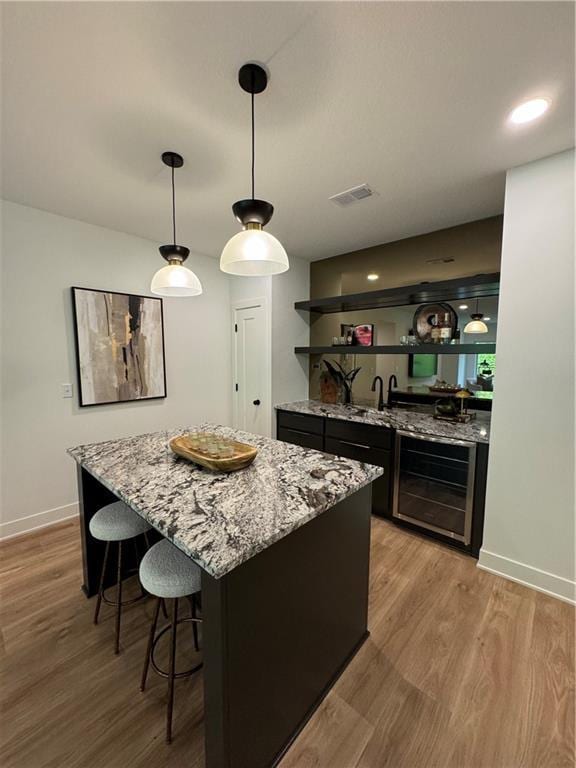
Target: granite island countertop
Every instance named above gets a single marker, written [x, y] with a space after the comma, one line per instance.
[221, 520]
[415, 419]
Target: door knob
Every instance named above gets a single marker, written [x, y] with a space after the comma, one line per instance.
[256, 402]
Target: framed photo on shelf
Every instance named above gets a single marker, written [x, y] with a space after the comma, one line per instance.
[347, 332]
[119, 346]
[364, 335]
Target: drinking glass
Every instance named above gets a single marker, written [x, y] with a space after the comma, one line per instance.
[212, 448]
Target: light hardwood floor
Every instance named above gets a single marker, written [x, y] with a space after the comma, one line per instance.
[462, 670]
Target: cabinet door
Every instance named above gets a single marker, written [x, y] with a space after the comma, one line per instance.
[304, 439]
[382, 486]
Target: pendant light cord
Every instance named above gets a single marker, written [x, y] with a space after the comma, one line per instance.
[173, 207]
[253, 137]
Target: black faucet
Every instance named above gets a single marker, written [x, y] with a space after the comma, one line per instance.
[392, 381]
[380, 396]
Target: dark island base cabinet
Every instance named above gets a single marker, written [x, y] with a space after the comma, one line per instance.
[279, 630]
[361, 442]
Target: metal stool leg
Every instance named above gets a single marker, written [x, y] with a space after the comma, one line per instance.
[150, 643]
[171, 673]
[138, 561]
[195, 624]
[101, 587]
[118, 599]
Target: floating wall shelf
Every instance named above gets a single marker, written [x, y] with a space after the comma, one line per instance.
[402, 349]
[476, 287]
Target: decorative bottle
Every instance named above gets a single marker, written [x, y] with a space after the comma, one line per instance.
[435, 332]
[445, 329]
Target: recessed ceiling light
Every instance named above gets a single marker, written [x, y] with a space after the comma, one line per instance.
[463, 306]
[487, 318]
[529, 110]
[372, 276]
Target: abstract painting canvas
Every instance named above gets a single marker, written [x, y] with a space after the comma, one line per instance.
[119, 346]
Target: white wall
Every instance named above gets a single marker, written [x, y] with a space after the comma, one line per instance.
[290, 329]
[42, 256]
[529, 530]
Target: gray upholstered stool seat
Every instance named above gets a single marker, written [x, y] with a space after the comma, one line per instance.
[165, 571]
[117, 522]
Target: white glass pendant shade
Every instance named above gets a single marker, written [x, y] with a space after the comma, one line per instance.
[175, 280]
[476, 326]
[254, 253]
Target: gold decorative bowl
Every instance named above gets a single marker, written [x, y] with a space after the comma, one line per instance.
[242, 457]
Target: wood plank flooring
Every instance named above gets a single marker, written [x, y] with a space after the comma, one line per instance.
[462, 670]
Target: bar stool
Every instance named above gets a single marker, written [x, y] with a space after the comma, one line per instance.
[118, 523]
[167, 573]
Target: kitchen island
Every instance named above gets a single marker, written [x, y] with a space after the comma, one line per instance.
[284, 551]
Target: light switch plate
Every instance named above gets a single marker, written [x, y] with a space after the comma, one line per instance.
[67, 390]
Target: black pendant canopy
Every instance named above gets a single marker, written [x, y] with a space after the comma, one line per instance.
[173, 253]
[172, 159]
[253, 79]
[477, 315]
[253, 212]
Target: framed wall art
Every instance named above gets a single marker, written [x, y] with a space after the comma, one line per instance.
[119, 346]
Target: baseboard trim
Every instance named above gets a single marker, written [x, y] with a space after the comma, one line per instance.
[39, 520]
[528, 576]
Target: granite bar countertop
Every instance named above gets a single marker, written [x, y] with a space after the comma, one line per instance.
[221, 520]
[417, 419]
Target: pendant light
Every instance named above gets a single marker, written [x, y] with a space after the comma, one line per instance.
[253, 252]
[174, 279]
[476, 325]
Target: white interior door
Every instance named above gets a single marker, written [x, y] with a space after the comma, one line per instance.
[252, 406]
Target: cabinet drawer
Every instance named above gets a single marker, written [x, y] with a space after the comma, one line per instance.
[358, 452]
[377, 437]
[302, 422]
[304, 439]
[382, 486]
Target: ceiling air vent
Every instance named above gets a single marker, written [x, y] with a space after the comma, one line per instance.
[353, 195]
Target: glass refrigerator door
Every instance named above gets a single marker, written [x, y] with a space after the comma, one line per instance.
[434, 484]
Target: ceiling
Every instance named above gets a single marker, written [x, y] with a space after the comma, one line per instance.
[411, 98]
